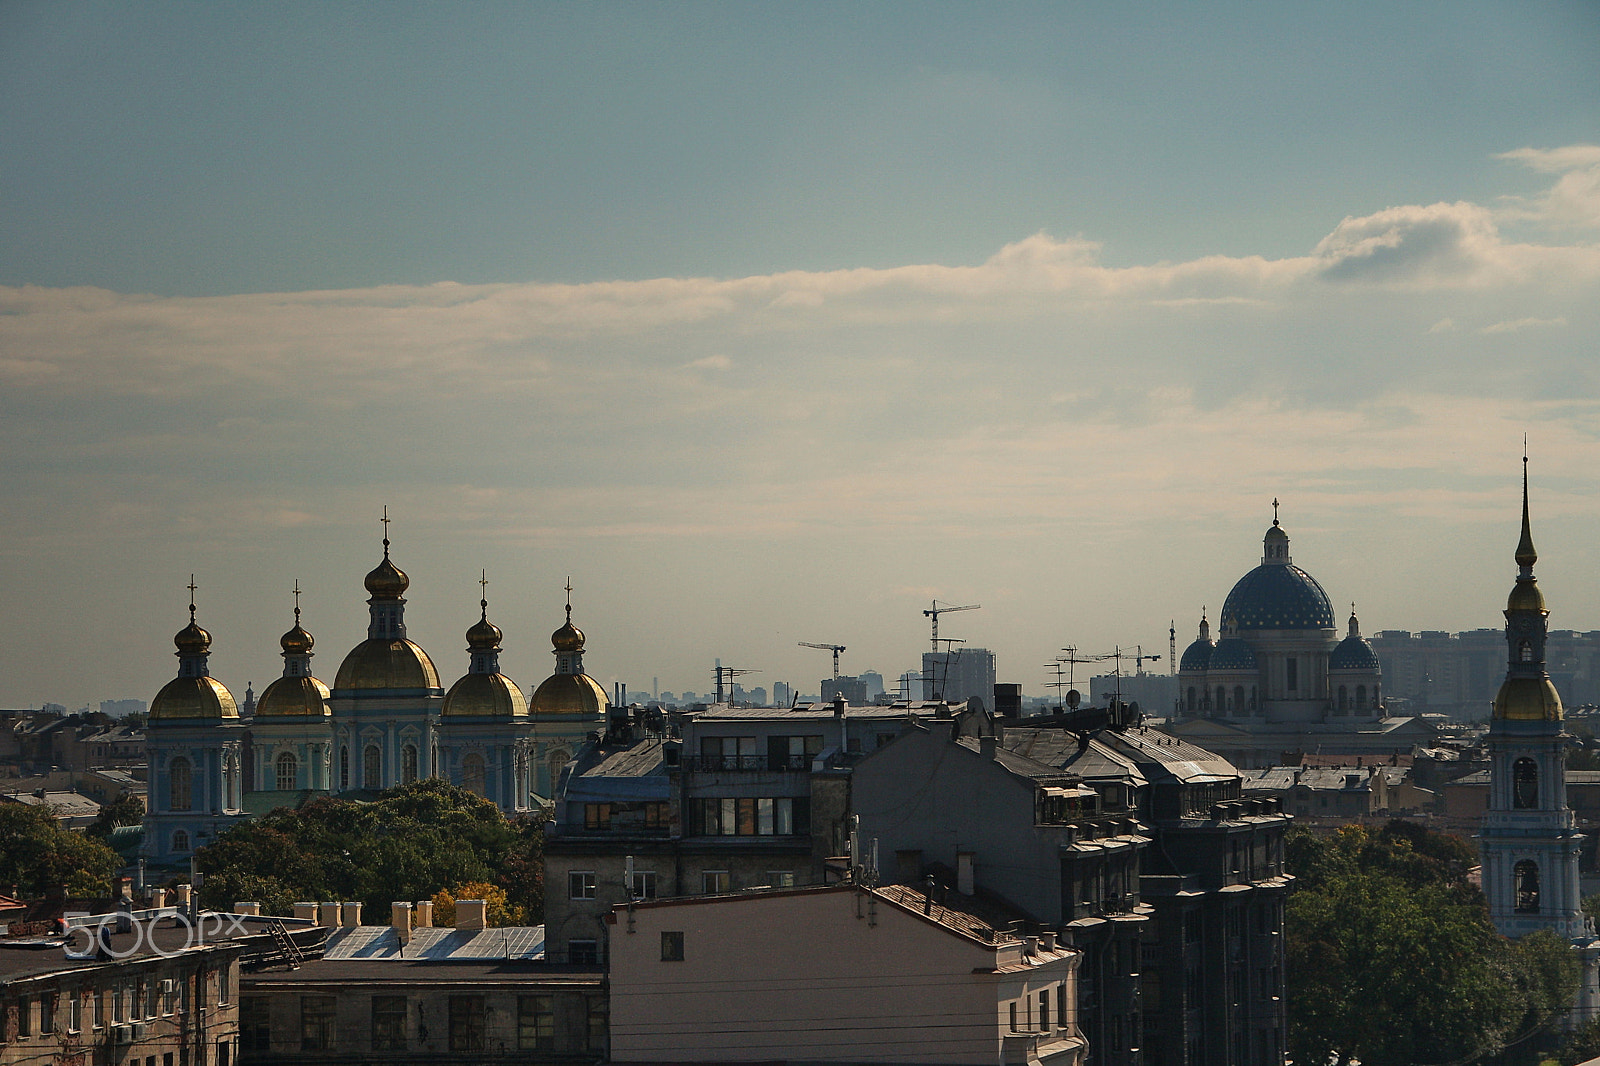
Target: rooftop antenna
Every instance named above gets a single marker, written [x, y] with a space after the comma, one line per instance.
[950, 652]
[725, 675]
[835, 648]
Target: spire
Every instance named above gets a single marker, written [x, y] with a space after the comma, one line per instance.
[1527, 693]
[1275, 545]
[193, 643]
[1526, 556]
[296, 644]
[483, 639]
[387, 583]
[1355, 626]
[1205, 626]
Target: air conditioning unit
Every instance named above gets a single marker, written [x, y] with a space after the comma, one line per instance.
[166, 984]
[122, 1034]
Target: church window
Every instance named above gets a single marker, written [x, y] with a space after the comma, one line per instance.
[1526, 874]
[1239, 707]
[1191, 699]
[372, 767]
[1376, 702]
[181, 780]
[1525, 784]
[344, 766]
[1222, 700]
[1292, 674]
[287, 771]
[472, 774]
[1252, 697]
[1361, 696]
[1525, 652]
[1344, 699]
[408, 764]
[180, 841]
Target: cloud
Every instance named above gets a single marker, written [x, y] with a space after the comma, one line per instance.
[710, 362]
[1439, 243]
[1517, 325]
[1574, 200]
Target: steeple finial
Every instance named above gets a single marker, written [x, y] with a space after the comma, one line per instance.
[192, 587]
[296, 601]
[483, 582]
[385, 521]
[569, 597]
[1274, 510]
[1526, 555]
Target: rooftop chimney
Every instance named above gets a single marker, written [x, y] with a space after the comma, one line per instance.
[400, 921]
[247, 908]
[329, 914]
[306, 911]
[352, 913]
[424, 914]
[472, 914]
[1047, 939]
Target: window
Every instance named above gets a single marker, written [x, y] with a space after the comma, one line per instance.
[74, 1011]
[288, 772]
[316, 1023]
[1344, 699]
[536, 1023]
[1061, 1005]
[1524, 784]
[595, 1035]
[472, 773]
[780, 878]
[792, 753]
[408, 764]
[222, 984]
[466, 1023]
[99, 997]
[672, 947]
[1014, 1016]
[117, 1009]
[1526, 873]
[580, 884]
[583, 952]
[180, 841]
[764, 816]
[597, 816]
[1291, 668]
[1044, 1009]
[388, 1023]
[255, 1023]
[730, 753]
[25, 1017]
[344, 766]
[372, 767]
[644, 884]
[180, 780]
[714, 882]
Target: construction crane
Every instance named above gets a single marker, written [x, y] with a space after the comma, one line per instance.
[1172, 646]
[725, 676]
[835, 648]
[936, 611]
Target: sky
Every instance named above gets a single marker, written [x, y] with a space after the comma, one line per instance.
[775, 323]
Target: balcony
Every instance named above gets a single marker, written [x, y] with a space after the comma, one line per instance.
[747, 763]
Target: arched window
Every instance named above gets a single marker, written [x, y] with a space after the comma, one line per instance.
[1252, 697]
[180, 840]
[558, 762]
[344, 766]
[1361, 697]
[522, 797]
[1222, 699]
[372, 767]
[408, 764]
[1377, 699]
[1344, 699]
[1525, 784]
[1191, 699]
[1239, 708]
[1525, 652]
[180, 776]
[287, 772]
[472, 773]
[1526, 874]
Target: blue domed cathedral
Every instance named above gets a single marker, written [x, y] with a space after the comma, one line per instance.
[1278, 678]
[386, 721]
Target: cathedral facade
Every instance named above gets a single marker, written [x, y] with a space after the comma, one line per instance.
[385, 721]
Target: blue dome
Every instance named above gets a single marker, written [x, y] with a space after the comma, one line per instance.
[1277, 596]
[1196, 657]
[1231, 653]
[1354, 653]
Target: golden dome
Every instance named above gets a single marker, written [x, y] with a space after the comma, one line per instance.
[483, 636]
[293, 696]
[485, 696]
[569, 694]
[297, 641]
[1528, 699]
[569, 637]
[387, 581]
[386, 664]
[1525, 596]
[191, 639]
[193, 697]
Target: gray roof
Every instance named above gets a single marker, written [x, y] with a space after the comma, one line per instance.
[722, 712]
[380, 942]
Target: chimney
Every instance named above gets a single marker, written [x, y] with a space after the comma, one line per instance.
[1030, 945]
[400, 921]
[424, 914]
[306, 911]
[185, 895]
[247, 908]
[329, 915]
[125, 888]
[964, 872]
[158, 898]
[352, 913]
[1047, 939]
[472, 914]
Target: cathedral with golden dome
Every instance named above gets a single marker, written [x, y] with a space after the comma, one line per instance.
[385, 721]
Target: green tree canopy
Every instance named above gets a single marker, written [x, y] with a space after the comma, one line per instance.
[405, 845]
[38, 855]
[1392, 957]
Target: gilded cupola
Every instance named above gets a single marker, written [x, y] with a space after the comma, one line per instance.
[194, 693]
[569, 692]
[1527, 694]
[386, 660]
[484, 692]
[297, 692]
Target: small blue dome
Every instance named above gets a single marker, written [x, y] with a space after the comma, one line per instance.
[1196, 657]
[1354, 653]
[1232, 653]
[1277, 596]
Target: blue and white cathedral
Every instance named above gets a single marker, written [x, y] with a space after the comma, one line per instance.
[385, 721]
[1530, 841]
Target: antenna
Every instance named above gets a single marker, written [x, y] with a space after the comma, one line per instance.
[725, 675]
[835, 648]
[1172, 645]
[950, 652]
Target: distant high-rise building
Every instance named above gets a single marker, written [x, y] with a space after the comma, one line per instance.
[782, 694]
[122, 708]
[851, 688]
[873, 682]
[958, 675]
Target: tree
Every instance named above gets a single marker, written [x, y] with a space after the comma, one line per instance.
[124, 810]
[39, 856]
[1392, 957]
[407, 844]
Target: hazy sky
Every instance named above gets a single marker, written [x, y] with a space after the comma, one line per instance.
[771, 323]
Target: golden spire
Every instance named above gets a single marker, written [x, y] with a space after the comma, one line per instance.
[1526, 556]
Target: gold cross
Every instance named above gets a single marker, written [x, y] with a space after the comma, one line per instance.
[192, 587]
[296, 601]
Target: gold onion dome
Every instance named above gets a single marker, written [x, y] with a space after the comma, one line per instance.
[387, 581]
[290, 696]
[484, 634]
[1525, 596]
[297, 641]
[569, 637]
[191, 639]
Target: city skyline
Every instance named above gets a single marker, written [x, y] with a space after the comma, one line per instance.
[776, 327]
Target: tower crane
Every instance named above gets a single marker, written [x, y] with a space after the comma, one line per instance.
[936, 611]
[835, 648]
